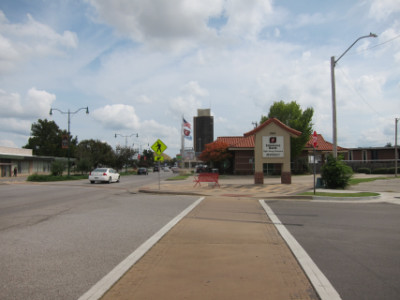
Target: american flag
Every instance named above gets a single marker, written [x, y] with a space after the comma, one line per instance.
[186, 124]
[186, 129]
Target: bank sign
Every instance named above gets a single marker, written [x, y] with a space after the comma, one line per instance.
[273, 146]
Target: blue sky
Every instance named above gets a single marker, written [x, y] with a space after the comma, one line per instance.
[140, 65]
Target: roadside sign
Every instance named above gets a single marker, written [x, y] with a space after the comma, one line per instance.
[158, 147]
[315, 139]
[158, 158]
[64, 141]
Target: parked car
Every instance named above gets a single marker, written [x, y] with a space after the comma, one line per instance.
[156, 169]
[104, 175]
[175, 170]
[142, 171]
[200, 168]
[166, 169]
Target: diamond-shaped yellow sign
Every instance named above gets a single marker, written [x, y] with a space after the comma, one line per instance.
[159, 147]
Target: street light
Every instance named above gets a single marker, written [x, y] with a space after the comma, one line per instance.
[126, 144]
[69, 113]
[333, 64]
[126, 137]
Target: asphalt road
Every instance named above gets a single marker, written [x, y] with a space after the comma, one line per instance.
[59, 239]
[356, 246]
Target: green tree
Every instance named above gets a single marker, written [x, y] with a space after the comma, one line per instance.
[96, 152]
[124, 157]
[293, 116]
[46, 140]
[84, 165]
[147, 159]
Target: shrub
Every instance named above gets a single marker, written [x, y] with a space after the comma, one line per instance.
[364, 170]
[37, 177]
[335, 173]
[57, 168]
[84, 166]
[381, 171]
[392, 170]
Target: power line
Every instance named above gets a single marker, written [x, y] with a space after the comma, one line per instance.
[377, 45]
[348, 80]
[357, 92]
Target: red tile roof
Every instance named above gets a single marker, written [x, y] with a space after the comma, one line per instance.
[238, 141]
[292, 131]
[322, 145]
[247, 141]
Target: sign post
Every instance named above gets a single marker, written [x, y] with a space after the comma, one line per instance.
[159, 147]
[315, 144]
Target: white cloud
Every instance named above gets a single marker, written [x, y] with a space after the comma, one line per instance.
[144, 99]
[309, 19]
[381, 9]
[193, 88]
[36, 104]
[174, 23]
[21, 41]
[15, 125]
[117, 116]
[247, 18]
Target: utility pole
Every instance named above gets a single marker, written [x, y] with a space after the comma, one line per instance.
[333, 64]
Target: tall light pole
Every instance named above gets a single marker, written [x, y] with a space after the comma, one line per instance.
[126, 145]
[126, 137]
[396, 154]
[333, 64]
[69, 113]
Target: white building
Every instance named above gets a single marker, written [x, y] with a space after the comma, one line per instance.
[24, 161]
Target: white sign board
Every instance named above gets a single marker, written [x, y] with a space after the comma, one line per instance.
[273, 146]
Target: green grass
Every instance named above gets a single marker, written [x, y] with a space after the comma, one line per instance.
[349, 195]
[45, 178]
[354, 181]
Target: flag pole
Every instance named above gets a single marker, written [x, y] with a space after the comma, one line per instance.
[182, 144]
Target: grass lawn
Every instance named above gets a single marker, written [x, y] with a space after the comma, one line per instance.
[350, 195]
[44, 178]
[354, 181]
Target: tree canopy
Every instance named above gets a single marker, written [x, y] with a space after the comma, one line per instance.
[46, 140]
[293, 116]
[96, 152]
[215, 152]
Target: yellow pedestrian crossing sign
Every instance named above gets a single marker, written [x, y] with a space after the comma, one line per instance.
[158, 158]
[158, 147]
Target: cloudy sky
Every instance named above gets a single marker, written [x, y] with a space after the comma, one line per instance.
[139, 65]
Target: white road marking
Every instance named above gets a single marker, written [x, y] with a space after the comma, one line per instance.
[102, 286]
[321, 284]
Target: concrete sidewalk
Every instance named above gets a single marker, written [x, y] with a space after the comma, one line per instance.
[226, 248]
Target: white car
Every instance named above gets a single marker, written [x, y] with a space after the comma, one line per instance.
[104, 174]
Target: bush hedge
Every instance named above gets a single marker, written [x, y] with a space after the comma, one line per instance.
[335, 173]
[364, 170]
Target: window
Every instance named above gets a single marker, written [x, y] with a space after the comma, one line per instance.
[364, 155]
[374, 154]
